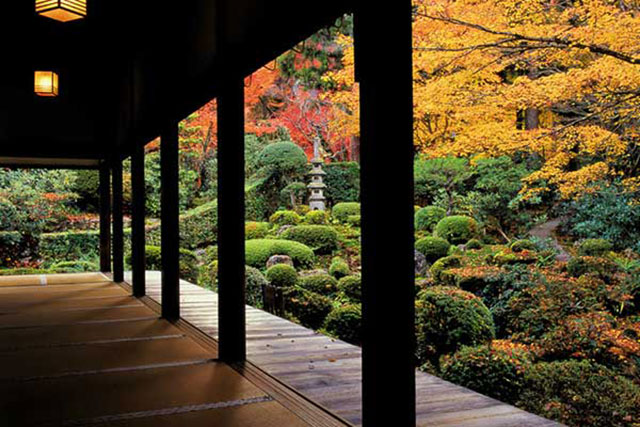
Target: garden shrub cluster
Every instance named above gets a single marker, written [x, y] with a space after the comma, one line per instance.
[426, 218]
[339, 268]
[258, 251]
[282, 276]
[457, 229]
[342, 211]
[70, 245]
[285, 218]
[322, 239]
[343, 182]
[433, 248]
[188, 264]
[351, 288]
[345, 323]
[322, 284]
[256, 230]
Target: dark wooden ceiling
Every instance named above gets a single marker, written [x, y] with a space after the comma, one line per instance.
[130, 66]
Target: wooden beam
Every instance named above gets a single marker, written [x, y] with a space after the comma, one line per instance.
[105, 219]
[231, 256]
[138, 262]
[387, 198]
[118, 231]
[170, 244]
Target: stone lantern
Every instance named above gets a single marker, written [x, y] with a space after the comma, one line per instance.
[317, 201]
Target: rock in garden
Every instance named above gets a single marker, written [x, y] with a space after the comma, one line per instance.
[284, 228]
[420, 263]
[279, 259]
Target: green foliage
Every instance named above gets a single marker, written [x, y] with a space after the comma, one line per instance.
[443, 264]
[321, 238]
[446, 176]
[580, 393]
[74, 267]
[594, 247]
[342, 211]
[254, 281]
[474, 244]
[603, 268]
[293, 194]
[188, 262]
[309, 308]
[12, 248]
[322, 284]
[24, 271]
[258, 251]
[522, 245]
[283, 158]
[282, 276]
[70, 246]
[316, 218]
[457, 229]
[426, 218]
[256, 230]
[86, 186]
[351, 288]
[199, 226]
[208, 276]
[343, 182]
[496, 369]
[354, 220]
[448, 318]
[339, 268]
[433, 248]
[345, 323]
[285, 218]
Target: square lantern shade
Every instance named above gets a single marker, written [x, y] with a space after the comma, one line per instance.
[46, 83]
[62, 10]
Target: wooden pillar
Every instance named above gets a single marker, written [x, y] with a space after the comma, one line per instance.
[138, 266]
[388, 371]
[118, 232]
[231, 256]
[170, 211]
[105, 218]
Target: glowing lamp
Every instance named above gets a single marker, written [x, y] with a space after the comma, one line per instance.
[46, 83]
[62, 10]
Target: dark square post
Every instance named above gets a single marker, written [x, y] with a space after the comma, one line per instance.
[137, 222]
[231, 257]
[118, 232]
[388, 371]
[105, 218]
[170, 236]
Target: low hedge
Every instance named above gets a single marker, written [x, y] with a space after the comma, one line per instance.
[457, 229]
[351, 288]
[198, 227]
[308, 308]
[443, 264]
[74, 267]
[322, 284]
[258, 251]
[256, 230]
[426, 218]
[285, 218]
[345, 323]
[188, 262]
[342, 211]
[594, 247]
[70, 246]
[339, 268]
[433, 248]
[522, 245]
[282, 276]
[322, 239]
[316, 218]
[447, 319]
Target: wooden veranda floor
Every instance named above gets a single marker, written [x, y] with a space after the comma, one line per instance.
[328, 371]
[79, 350]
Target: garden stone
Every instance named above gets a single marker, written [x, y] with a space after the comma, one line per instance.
[420, 263]
[279, 259]
[284, 228]
[315, 272]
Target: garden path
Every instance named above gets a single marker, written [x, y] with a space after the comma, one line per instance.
[547, 231]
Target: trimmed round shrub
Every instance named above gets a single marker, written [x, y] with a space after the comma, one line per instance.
[351, 288]
[345, 323]
[342, 211]
[580, 393]
[316, 217]
[254, 281]
[285, 218]
[522, 245]
[438, 267]
[321, 238]
[426, 218]
[594, 247]
[448, 318]
[354, 220]
[604, 268]
[457, 229]
[322, 284]
[474, 244]
[188, 262]
[74, 267]
[282, 276]
[339, 268]
[496, 369]
[283, 157]
[208, 277]
[258, 251]
[302, 210]
[308, 308]
[433, 248]
[256, 230]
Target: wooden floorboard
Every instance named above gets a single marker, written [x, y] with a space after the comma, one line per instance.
[328, 371]
[86, 353]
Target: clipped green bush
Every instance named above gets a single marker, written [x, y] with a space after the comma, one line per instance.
[343, 182]
[342, 211]
[433, 248]
[70, 245]
[339, 268]
[188, 262]
[345, 323]
[285, 218]
[522, 245]
[426, 218]
[258, 251]
[283, 157]
[474, 244]
[254, 281]
[594, 247]
[496, 369]
[448, 318]
[208, 277]
[322, 284]
[321, 238]
[457, 229]
[308, 308]
[74, 267]
[11, 247]
[256, 230]
[24, 271]
[316, 217]
[351, 288]
[601, 267]
[580, 393]
[443, 264]
[354, 220]
[282, 276]
[199, 226]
